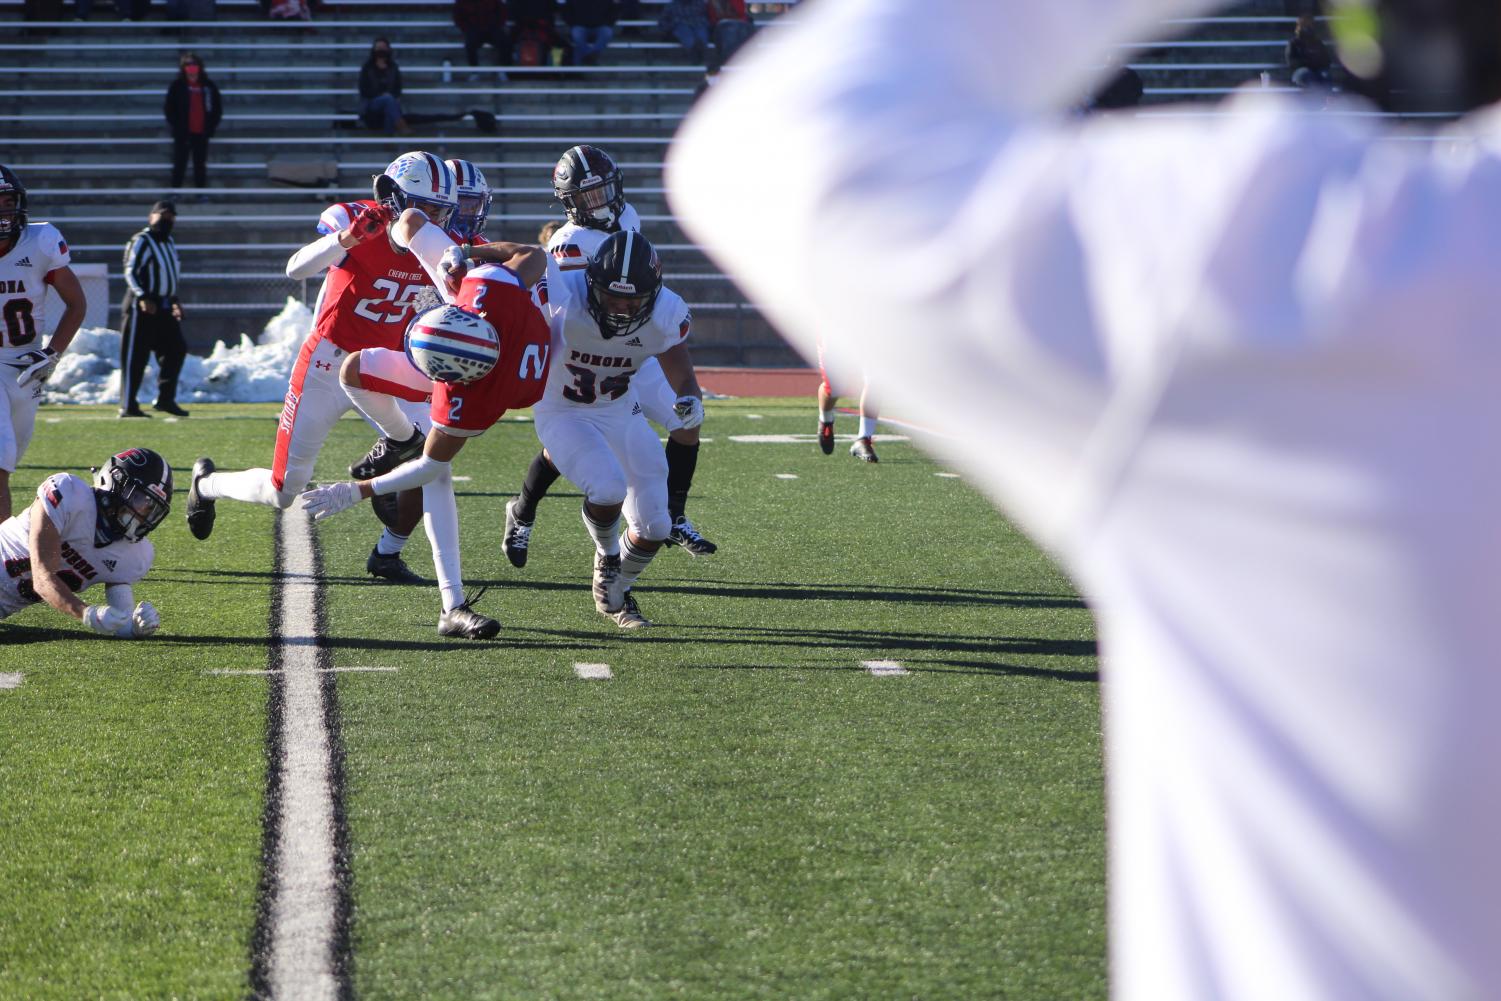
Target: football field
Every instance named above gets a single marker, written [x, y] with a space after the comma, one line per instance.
[856, 756]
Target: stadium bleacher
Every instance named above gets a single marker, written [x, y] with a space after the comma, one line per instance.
[84, 129]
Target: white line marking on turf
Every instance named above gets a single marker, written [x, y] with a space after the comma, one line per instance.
[804, 439]
[462, 479]
[228, 672]
[303, 919]
[947, 476]
[884, 668]
[54, 420]
[786, 476]
[593, 672]
[752, 417]
[11, 680]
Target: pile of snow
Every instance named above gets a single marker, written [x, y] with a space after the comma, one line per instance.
[249, 372]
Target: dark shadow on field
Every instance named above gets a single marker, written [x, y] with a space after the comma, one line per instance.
[20, 635]
[789, 591]
[983, 668]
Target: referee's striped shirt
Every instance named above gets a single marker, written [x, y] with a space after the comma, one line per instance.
[151, 266]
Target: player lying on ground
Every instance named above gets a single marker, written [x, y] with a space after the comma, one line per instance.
[592, 189]
[607, 320]
[74, 536]
[33, 255]
[366, 301]
[487, 355]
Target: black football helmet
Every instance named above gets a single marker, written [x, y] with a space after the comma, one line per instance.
[591, 188]
[134, 493]
[12, 218]
[624, 279]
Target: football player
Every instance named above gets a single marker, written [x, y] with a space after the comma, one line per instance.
[863, 447]
[462, 406]
[366, 301]
[590, 186]
[73, 537]
[607, 321]
[33, 255]
[468, 223]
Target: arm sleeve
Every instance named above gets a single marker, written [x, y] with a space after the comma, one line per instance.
[120, 597]
[409, 475]
[428, 246]
[321, 254]
[132, 261]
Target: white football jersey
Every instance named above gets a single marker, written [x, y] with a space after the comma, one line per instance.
[23, 286]
[572, 245]
[589, 369]
[69, 502]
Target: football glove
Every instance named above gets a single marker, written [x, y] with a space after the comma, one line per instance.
[454, 264]
[107, 620]
[371, 223]
[39, 366]
[144, 620]
[690, 410]
[327, 501]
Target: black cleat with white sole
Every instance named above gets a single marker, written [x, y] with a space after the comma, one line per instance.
[463, 622]
[684, 534]
[518, 536]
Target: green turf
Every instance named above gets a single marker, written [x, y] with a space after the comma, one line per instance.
[743, 812]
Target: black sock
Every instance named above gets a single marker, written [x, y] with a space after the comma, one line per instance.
[540, 475]
[682, 460]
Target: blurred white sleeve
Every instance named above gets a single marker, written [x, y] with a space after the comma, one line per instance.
[428, 246]
[898, 179]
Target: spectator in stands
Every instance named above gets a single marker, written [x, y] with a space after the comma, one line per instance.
[535, 31]
[483, 22]
[687, 23]
[290, 10]
[151, 315]
[591, 25]
[193, 110]
[1308, 58]
[729, 26]
[711, 77]
[380, 89]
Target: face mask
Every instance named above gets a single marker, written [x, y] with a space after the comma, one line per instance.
[192, 72]
[162, 227]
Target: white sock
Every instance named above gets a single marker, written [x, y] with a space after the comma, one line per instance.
[605, 542]
[826, 417]
[867, 427]
[440, 518]
[253, 486]
[383, 411]
[633, 560]
[391, 543]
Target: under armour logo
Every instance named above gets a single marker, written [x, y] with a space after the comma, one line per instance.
[109, 564]
[323, 364]
[24, 262]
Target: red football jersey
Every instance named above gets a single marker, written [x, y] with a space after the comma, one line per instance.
[518, 378]
[367, 297]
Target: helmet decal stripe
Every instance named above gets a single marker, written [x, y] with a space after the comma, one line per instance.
[625, 257]
[437, 171]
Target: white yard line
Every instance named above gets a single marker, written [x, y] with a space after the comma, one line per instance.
[786, 476]
[11, 680]
[305, 895]
[884, 668]
[593, 672]
[227, 672]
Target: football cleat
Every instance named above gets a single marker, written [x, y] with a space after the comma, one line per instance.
[200, 511]
[684, 534]
[170, 408]
[464, 622]
[386, 454]
[518, 535]
[629, 616]
[863, 450]
[826, 437]
[608, 594]
[391, 568]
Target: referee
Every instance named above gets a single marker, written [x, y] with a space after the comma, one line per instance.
[151, 315]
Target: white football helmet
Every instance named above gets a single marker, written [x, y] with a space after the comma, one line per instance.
[474, 200]
[422, 181]
[449, 344]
